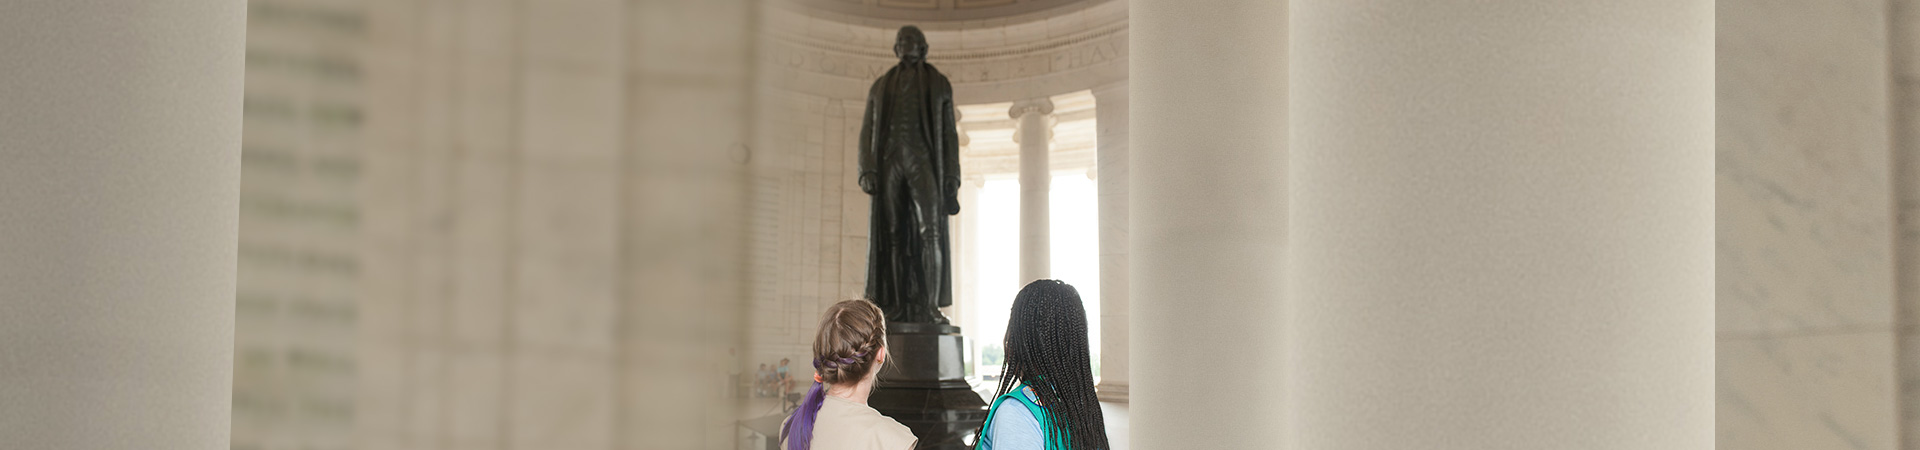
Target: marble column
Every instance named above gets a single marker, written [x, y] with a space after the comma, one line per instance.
[964, 227]
[1034, 131]
[965, 271]
[119, 192]
[1208, 198]
[1110, 160]
[1503, 225]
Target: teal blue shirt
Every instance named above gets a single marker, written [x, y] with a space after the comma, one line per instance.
[1012, 424]
[1013, 428]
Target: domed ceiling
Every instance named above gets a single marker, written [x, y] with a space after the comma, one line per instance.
[939, 10]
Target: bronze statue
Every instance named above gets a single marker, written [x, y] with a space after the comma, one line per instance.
[910, 164]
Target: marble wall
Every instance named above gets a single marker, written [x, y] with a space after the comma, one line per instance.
[809, 235]
[493, 223]
[1805, 265]
[297, 311]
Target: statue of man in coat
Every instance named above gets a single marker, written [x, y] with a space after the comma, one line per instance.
[910, 165]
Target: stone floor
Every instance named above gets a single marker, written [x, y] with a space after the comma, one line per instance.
[1118, 419]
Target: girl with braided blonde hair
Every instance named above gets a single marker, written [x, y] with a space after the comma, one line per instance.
[847, 354]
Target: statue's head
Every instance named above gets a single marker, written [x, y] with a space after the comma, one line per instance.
[911, 45]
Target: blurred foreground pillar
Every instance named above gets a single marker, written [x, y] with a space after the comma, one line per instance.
[1503, 225]
[690, 85]
[1110, 111]
[1208, 207]
[119, 187]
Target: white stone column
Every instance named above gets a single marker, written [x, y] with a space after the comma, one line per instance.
[1503, 225]
[119, 204]
[1034, 132]
[1110, 120]
[1209, 223]
[965, 297]
[961, 241]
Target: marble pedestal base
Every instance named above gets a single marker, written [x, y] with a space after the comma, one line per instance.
[924, 385]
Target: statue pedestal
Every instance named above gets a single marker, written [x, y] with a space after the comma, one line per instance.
[924, 386]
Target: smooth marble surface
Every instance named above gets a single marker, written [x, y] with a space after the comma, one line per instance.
[1803, 185]
[808, 219]
[1119, 417]
[535, 222]
[1805, 262]
[1815, 392]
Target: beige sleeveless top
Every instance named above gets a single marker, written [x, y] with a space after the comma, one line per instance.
[845, 425]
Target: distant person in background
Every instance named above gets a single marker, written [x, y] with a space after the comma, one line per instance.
[732, 388]
[783, 380]
[763, 382]
[1045, 400]
[847, 354]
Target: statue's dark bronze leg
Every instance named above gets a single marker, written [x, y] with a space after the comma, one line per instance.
[886, 289]
[927, 209]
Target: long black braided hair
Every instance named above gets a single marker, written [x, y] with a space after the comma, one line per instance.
[1046, 347]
